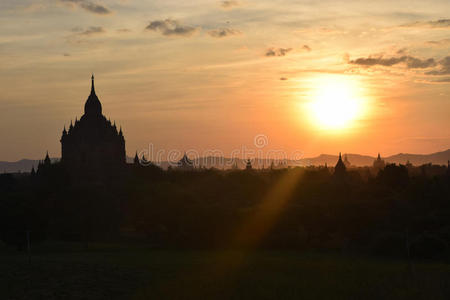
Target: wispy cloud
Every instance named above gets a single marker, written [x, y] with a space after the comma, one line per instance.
[277, 51]
[93, 30]
[170, 27]
[224, 32]
[410, 61]
[442, 23]
[89, 6]
[82, 35]
[229, 4]
[439, 43]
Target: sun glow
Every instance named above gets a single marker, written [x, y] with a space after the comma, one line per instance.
[336, 103]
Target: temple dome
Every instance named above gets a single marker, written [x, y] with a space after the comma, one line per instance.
[93, 107]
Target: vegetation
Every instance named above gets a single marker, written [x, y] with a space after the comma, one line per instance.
[400, 211]
[108, 271]
[287, 233]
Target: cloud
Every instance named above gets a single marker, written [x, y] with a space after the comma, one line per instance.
[411, 62]
[306, 48]
[440, 43]
[444, 67]
[66, 54]
[89, 6]
[93, 30]
[81, 35]
[224, 32]
[169, 27]
[445, 80]
[401, 51]
[123, 30]
[229, 4]
[442, 23]
[277, 51]
[283, 78]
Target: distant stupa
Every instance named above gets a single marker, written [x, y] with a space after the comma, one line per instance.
[340, 169]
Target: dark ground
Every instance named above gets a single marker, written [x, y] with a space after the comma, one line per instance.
[106, 271]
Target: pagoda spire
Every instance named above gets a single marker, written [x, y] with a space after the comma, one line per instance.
[136, 159]
[92, 85]
[47, 159]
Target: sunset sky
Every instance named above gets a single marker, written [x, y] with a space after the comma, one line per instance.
[214, 74]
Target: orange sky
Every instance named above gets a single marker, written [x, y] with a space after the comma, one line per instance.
[212, 75]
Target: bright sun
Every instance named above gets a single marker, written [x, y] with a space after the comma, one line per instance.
[335, 103]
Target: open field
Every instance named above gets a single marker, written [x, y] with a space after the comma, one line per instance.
[69, 271]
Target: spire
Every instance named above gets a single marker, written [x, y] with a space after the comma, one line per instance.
[92, 85]
[47, 159]
[93, 107]
[64, 130]
[136, 159]
[379, 157]
[248, 165]
[340, 168]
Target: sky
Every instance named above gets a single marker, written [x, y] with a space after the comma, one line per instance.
[215, 75]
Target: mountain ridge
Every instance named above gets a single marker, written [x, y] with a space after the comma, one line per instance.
[438, 158]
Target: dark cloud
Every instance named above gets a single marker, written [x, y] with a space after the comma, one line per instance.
[171, 27]
[417, 63]
[411, 62]
[277, 51]
[223, 32]
[283, 78]
[93, 30]
[306, 47]
[66, 54]
[444, 69]
[228, 4]
[123, 30]
[89, 6]
[442, 23]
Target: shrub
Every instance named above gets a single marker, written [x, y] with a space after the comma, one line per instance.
[428, 246]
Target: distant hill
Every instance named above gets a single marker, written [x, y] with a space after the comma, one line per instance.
[23, 165]
[438, 158]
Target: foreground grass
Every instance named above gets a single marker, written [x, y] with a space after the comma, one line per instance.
[69, 271]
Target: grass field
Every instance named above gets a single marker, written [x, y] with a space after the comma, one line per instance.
[69, 271]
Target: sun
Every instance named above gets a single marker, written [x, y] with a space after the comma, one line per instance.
[335, 103]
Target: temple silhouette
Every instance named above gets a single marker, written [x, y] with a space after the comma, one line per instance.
[92, 148]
